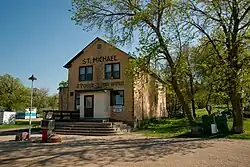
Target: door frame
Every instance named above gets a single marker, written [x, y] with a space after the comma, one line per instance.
[84, 108]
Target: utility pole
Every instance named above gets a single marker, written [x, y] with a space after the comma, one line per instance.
[32, 78]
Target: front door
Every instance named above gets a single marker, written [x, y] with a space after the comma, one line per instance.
[89, 106]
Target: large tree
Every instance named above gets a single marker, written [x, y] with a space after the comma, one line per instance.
[13, 95]
[157, 24]
[226, 24]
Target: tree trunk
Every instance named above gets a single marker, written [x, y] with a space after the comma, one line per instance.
[237, 109]
[191, 80]
[184, 104]
[209, 109]
[235, 96]
[193, 108]
[192, 94]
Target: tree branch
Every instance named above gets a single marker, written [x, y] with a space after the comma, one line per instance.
[245, 13]
[210, 39]
[244, 26]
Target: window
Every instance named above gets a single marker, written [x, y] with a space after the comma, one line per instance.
[117, 98]
[77, 102]
[99, 46]
[86, 73]
[112, 71]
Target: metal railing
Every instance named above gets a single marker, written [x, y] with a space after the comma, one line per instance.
[61, 115]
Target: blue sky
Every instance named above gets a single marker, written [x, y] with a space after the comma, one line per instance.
[38, 37]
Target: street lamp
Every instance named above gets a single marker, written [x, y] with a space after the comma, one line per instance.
[32, 78]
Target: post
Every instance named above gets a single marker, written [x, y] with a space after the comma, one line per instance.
[32, 78]
[31, 98]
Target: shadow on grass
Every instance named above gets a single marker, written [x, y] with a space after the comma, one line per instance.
[165, 127]
[178, 128]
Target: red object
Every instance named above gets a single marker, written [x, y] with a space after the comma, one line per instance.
[44, 135]
[22, 136]
[55, 139]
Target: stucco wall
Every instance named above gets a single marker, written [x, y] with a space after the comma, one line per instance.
[149, 98]
[98, 76]
[101, 104]
[144, 97]
[63, 99]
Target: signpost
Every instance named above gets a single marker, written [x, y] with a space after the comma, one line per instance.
[32, 78]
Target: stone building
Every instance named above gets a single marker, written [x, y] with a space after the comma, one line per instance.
[99, 88]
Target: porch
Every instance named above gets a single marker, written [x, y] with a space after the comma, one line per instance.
[70, 123]
[69, 116]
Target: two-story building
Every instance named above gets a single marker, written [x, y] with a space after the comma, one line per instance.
[99, 88]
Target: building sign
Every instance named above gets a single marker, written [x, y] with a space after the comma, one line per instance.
[100, 85]
[101, 59]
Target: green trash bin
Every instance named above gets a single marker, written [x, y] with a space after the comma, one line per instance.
[221, 122]
[206, 123]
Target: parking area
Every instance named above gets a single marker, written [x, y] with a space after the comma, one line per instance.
[125, 151]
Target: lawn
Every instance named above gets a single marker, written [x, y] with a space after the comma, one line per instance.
[165, 128]
[179, 127]
[20, 124]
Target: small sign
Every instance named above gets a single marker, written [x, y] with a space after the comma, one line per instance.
[49, 115]
[117, 108]
[100, 85]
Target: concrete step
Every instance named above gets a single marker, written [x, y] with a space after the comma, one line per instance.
[85, 134]
[83, 123]
[85, 128]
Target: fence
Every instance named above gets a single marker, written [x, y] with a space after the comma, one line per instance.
[61, 115]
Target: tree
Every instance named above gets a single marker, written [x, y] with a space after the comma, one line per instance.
[210, 76]
[158, 25]
[230, 19]
[40, 98]
[63, 84]
[13, 95]
[53, 102]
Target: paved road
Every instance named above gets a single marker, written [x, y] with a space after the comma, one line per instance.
[126, 151]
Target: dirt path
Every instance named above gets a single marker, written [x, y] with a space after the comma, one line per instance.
[126, 151]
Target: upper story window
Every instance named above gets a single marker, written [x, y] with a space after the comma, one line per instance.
[99, 46]
[112, 71]
[86, 73]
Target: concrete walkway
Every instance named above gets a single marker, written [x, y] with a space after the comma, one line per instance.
[125, 151]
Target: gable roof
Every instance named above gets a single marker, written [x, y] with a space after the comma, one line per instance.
[67, 65]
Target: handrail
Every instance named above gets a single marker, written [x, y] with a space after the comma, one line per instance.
[62, 115]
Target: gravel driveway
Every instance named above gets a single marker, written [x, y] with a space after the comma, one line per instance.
[126, 150]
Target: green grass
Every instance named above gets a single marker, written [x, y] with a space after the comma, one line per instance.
[165, 128]
[203, 111]
[20, 124]
[168, 128]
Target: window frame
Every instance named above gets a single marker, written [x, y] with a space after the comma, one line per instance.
[77, 99]
[85, 79]
[112, 98]
[112, 70]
